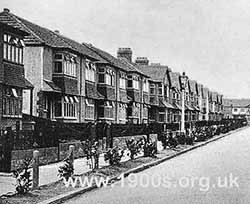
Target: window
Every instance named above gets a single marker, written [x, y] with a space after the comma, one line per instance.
[133, 82]
[152, 89]
[101, 75]
[90, 109]
[66, 107]
[90, 71]
[145, 86]
[106, 110]
[122, 80]
[12, 101]
[166, 90]
[65, 64]
[160, 89]
[13, 49]
[130, 81]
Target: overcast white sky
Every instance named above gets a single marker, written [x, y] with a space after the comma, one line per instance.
[209, 39]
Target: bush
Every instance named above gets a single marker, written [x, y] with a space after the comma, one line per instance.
[114, 156]
[23, 177]
[134, 146]
[149, 148]
[66, 170]
[92, 154]
[181, 139]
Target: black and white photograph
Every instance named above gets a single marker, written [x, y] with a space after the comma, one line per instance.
[125, 102]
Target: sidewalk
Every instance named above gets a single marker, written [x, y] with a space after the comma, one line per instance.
[48, 173]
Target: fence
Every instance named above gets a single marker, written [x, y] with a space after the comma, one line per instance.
[49, 133]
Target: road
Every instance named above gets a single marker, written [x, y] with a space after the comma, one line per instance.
[198, 176]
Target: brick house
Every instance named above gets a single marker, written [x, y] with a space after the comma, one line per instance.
[202, 107]
[175, 96]
[12, 80]
[194, 100]
[160, 107]
[137, 88]
[63, 73]
[236, 108]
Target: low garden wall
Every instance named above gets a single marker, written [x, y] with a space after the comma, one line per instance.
[50, 155]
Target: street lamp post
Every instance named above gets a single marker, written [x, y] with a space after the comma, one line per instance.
[184, 80]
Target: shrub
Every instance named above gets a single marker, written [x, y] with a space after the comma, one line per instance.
[149, 148]
[114, 156]
[92, 154]
[66, 170]
[134, 146]
[181, 139]
[23, 177]
[164, 139]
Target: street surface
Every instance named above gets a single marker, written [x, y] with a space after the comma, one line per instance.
[216, 173]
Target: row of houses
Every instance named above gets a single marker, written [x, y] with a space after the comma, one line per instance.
[48, 75]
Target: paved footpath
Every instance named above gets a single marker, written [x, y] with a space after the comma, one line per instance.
[218, 172]
[48, 174]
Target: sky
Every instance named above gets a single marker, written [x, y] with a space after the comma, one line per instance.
[208, 39]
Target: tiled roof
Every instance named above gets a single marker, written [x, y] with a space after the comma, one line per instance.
[156, 72]
[39, 35]
[175, 80]
[236, 102]
[192, 85]
[50, 86]
[119, 63]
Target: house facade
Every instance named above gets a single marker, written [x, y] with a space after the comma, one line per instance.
[236, 108]
[12, 80]
[78, 82]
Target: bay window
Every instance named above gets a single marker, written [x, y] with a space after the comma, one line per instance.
[106, 110]
[133, 82]
[90, 109]
[12, 101]
[106, 76]
[66, 107]
[160, 89]
[145, 86]
[13, 49]
[90, 71]
[65, 64]
[152, 89]
[122, 80]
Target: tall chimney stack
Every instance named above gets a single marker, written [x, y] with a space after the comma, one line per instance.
[142, 61]
[125, 52]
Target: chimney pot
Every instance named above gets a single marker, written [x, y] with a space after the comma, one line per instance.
[142, 61]
[6, 10]
[57, 31]
[125, 52]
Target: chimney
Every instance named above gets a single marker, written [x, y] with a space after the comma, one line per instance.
[6, 10]
[142, 61]
[57, 32]
[125, 52]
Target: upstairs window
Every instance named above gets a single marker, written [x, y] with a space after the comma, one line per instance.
[122, 80]
[152, 89]
[13, 49]
[106, 76]
[133, 82]
[90, 71]
[145, 86]
[160, 89]
[65, 64]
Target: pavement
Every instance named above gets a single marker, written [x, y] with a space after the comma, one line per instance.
[216, 173]
[48, 173]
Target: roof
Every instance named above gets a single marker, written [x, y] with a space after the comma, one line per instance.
[39, 35]
[175, 80]
[156, 72]
[236, 102]
[50, 86]
[165, 104]
[192, 84]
